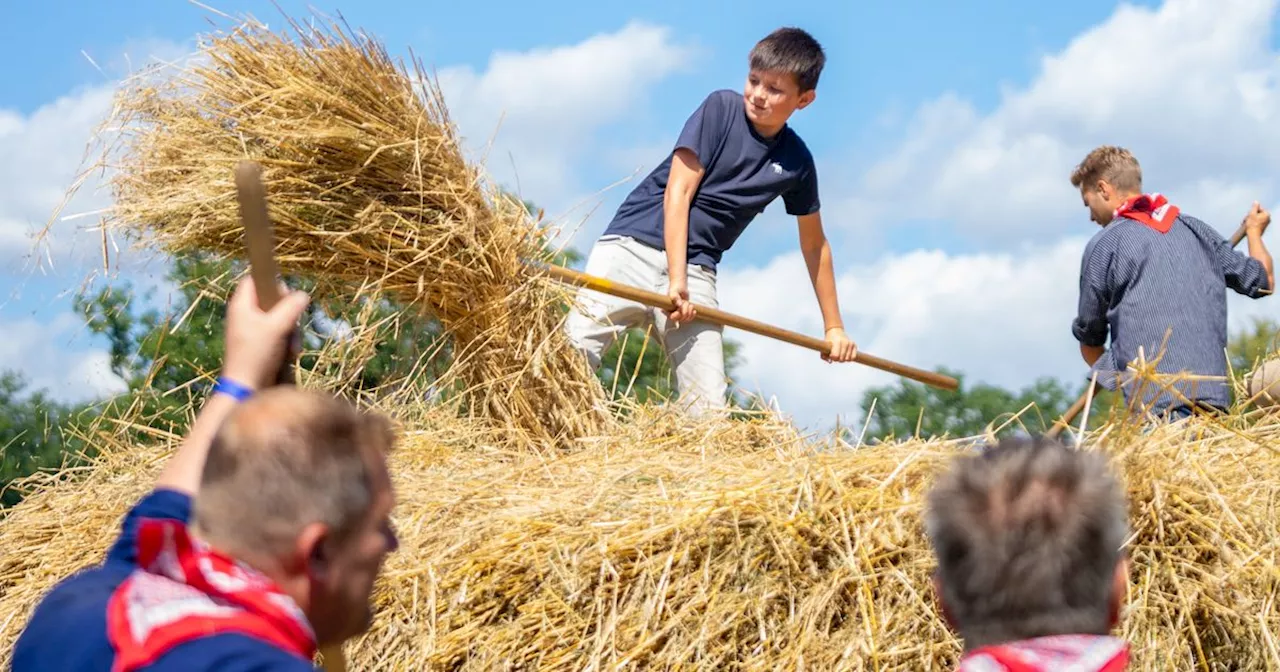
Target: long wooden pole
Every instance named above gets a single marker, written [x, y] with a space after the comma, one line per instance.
[260, 245]
[715, 316]
[1078, 405]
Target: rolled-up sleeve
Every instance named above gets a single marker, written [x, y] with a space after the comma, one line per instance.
[1242, 273]
[1090, 325]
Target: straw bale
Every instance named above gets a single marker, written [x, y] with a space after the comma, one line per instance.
[369, 191]
[675, 543]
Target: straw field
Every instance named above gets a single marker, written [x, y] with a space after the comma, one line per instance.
[730, 545]
[660, 542]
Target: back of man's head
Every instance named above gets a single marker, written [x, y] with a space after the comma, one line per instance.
[1028, 538]
[286, 459]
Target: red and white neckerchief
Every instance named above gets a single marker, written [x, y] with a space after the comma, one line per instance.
[1154, 210]
[184, 590]
[1061, 653]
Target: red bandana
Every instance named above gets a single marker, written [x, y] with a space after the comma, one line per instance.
[1062, 653]
[184, 590]
[1153, 210]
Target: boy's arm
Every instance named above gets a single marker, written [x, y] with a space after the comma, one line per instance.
[695, 149]
[817, 256]
[682, 183]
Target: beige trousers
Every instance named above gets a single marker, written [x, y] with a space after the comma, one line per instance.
[695, 349]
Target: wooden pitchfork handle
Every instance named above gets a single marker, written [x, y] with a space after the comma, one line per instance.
[1078, 405]
[260, 245]
[655, 300]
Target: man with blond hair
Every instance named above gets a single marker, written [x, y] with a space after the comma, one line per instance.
[1155, 271]
[1031, 572]
[260, 542]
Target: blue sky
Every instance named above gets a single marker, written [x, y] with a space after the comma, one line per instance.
[944, 133]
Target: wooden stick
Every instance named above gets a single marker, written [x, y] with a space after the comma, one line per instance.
[1072, 412]
[720, 317]
[260, 245]
[1078, 405]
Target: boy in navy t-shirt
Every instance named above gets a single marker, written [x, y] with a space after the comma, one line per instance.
[734, 157]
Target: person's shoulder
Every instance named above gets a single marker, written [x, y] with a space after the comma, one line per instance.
[164, 503]
[724, 96]
[1192, 222]
[797, 144]
[232, 652]
[1106, 238]
[721, 102]
[68, 626]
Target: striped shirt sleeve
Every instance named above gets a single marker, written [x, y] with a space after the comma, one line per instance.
[1242, 273]
[1090, 325]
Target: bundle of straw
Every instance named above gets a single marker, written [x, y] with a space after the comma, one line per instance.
[720, 546]
[368, 190]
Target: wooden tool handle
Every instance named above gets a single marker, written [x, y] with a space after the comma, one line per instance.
[1072, 412]
[720, 317]
[260, 244]
[1239, 235]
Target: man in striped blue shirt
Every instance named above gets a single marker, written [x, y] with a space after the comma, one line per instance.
[1154, 273]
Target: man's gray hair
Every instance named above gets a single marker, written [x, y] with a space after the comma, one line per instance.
[284, 459]
[1027, 536]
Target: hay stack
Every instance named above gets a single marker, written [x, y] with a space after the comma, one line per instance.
[368, 187]
[721, 546]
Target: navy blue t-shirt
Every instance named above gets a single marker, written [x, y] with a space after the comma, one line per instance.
[68, 630]
[743, 173]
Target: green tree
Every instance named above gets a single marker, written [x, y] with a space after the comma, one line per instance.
[1248, 347]
[31, 436]
[909, 408]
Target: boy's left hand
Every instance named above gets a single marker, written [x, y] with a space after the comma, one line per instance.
[843, 349]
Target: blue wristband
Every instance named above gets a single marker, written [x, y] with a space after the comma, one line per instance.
[231, 388]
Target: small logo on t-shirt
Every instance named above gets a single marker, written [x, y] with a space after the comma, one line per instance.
[777, 168]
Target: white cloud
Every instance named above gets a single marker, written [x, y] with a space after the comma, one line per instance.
[1192, 87]
[40, 156]
[548, 105]
[45, 353]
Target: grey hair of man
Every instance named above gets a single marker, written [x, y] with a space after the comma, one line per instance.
[1029, 537]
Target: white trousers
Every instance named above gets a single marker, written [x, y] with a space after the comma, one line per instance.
[695, 349]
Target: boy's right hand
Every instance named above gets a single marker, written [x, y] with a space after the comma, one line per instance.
[678, 291]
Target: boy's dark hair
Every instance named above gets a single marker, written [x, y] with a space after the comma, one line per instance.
[790, 50]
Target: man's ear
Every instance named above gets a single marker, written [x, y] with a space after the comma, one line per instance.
[1119, 590]
[311, 553]
[1105, 190]
[942, 603]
